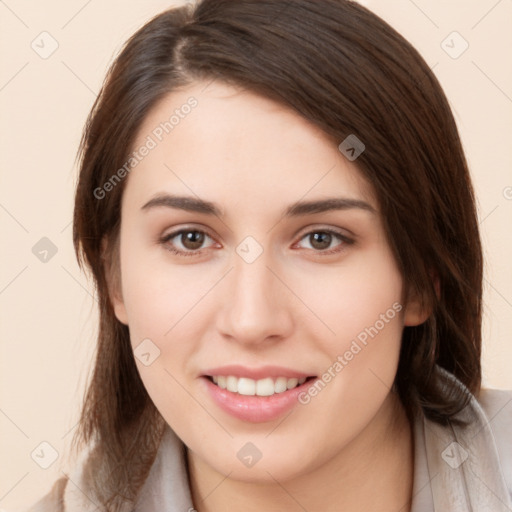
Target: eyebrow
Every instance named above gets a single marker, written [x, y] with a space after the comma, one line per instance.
[194, 204]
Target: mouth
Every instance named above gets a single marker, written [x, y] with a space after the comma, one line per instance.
[255, 394]
[266, 386]
[259, 399]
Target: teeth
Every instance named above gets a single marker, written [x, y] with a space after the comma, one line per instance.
[280, 384]
[265, 387]
[292, 383]
[232, 384]
[261, 387]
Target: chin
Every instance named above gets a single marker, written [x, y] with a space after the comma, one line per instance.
[282, 464]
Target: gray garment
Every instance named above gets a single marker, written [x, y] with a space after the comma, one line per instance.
[455, 469]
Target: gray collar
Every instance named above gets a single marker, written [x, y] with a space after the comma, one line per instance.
[458, 469]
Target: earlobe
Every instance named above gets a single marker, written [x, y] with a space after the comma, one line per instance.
[415, 314]
[419, 308]
[119, 308]
[111, 265]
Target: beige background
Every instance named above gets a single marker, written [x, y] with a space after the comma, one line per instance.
[47, 308]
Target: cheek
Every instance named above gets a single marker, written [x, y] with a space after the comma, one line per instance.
[159, 296]
[166, 305]
[363, 310]
[359, 300]
[163, 306]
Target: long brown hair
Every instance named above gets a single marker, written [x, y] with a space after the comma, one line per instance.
[348, 72]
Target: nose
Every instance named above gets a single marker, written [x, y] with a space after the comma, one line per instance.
[257, 305]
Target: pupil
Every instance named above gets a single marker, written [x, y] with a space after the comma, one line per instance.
[193, 239]
[321, 240]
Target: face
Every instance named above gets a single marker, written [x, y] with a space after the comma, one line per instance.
[263, 301]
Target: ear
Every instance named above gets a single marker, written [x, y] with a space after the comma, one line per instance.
[415, 313]
[419, 307]
[112, 267]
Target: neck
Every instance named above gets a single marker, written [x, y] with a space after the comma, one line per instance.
[373, 472]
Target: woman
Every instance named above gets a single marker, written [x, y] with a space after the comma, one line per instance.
[277, 211]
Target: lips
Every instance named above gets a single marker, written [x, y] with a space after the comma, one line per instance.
[255, 394]
[256, 408]
[256, 373]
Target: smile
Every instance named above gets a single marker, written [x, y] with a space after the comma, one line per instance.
[267, 386]
[257, 399]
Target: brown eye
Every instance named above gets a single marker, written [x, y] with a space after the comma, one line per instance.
[321, 241]
[185, 242]
[192, 239]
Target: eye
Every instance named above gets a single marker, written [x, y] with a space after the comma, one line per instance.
[185, 242]
[189, 242]
[321, 240]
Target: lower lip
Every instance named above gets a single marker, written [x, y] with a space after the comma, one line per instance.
[256, 409]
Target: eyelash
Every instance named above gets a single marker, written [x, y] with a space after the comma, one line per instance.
[166, 238]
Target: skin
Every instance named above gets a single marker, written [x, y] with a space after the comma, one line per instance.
[350, 448]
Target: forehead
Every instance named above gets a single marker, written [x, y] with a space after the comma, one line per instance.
[215, 140]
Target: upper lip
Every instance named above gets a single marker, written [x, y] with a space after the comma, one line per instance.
[255, 373]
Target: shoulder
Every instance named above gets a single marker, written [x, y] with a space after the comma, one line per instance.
[53, 501]
[78, 491]
[496, 402]
[61, 497]
[469, 460]
[497, 407]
